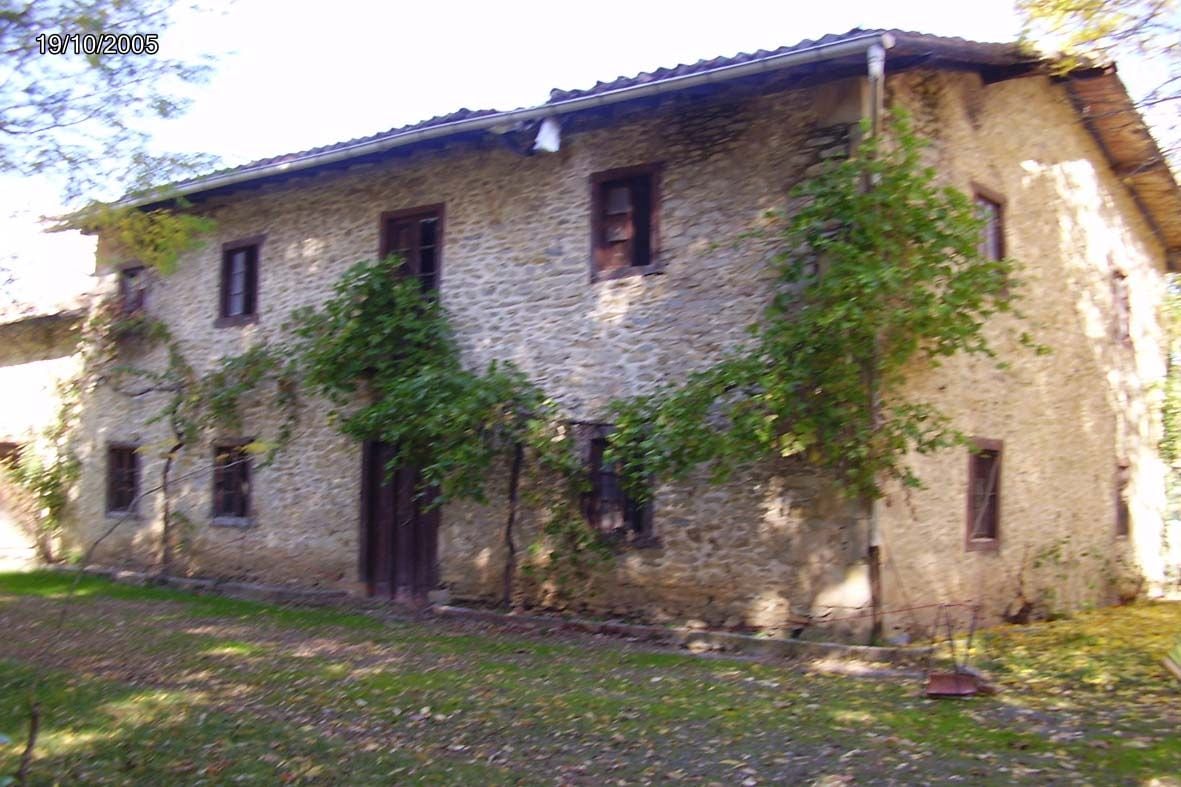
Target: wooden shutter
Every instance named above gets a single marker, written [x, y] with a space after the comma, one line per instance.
[992, 238]
[231, 482]
[239, 282]
[607, 506]
[417, 237]
[132, 289]
[122, 477]
[1123, 513]
[624, 221]
[984, 487]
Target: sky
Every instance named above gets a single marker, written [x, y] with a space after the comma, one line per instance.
[291, 76]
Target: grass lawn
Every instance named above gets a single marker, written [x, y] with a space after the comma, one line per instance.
[159, 687]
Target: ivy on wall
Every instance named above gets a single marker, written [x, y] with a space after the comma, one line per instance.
[879, 274]
[194, 406]
[384, 353]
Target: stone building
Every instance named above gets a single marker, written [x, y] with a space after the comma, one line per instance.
[515, 218]
[38, 361]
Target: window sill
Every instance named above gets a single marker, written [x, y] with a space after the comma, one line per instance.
[232, 521]
[645, 543]
[626, 273]
[129, 514]
[230, 322]
[621, 543]
[982, 545]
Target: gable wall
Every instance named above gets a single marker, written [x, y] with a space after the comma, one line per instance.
[1067, 418]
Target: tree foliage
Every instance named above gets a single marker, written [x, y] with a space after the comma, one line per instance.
[872, 284]
[45, 472]
[78, 115]
[384, 353]
[1148, 31]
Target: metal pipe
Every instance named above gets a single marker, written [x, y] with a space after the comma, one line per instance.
[812, 54]
[876, 72]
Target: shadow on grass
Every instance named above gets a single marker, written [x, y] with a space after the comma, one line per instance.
[97, 731]
[57, 585]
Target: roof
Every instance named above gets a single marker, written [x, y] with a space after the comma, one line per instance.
[1100, 97]
[29, 315]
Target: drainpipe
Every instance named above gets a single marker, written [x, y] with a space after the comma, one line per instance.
[876, 62]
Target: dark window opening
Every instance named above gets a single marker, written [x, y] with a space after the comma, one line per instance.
[416, 238]
[10, 454]
[239, 283]
[1123, 514]
[122, 478]
[984, 498]
[231, 481]
[992, 238]
[1121, 307]
[607, 506]
[133, 289]
[624, 222]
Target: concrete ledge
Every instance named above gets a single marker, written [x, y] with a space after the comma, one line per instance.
[694, 640]
[697, 640]
[244, 590]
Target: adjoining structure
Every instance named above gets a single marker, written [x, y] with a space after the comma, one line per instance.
[38, 358]
[588, 241]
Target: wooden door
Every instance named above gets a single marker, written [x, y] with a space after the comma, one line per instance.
[399, 545]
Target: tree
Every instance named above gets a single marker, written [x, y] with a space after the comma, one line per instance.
[78, 77]
[1148, 31]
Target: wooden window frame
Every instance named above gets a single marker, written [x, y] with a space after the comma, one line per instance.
[655, 264]
[133, 504]
[225, 320]
[642, 537]
[10, 452]
[232, 519]
[992, 544]
[128, 307]
[436, 210]
[1121, 306]
[984, 193]
[1123, 508]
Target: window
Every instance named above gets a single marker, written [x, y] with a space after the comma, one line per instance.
[231, 481]
[133, 289]
[992, 241]
[239, 282]
[1123, 514]
[417, 237]
[984, 494]
[1121, 307]
[122, 478]
[624, 222]
[10, 453]
[607, 506]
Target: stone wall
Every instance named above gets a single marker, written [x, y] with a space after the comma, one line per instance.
[1068, 418]
[36, 357]
[759, 549]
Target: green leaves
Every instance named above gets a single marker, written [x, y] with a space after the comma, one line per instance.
[384, 352]
[870, 281]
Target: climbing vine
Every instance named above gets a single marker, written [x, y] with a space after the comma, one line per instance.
[384, 353]
[879, 273]
[45, 472]
[194, 405]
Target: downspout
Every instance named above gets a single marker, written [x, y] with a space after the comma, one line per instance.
[876, 63]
